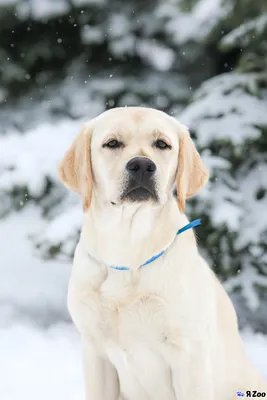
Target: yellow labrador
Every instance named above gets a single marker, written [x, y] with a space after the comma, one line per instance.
[165, 330]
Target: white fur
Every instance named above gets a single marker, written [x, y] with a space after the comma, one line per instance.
[167, 331]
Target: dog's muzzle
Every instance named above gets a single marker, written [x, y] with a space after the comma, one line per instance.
[141, 182]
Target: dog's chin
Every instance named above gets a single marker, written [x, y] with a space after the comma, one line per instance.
[139, 195]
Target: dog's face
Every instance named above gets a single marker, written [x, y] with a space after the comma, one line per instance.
[129, 155]
[134, 156]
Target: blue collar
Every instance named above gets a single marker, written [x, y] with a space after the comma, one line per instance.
[192, 224]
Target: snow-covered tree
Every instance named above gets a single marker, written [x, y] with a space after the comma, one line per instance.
[229, 118]
[228, 115]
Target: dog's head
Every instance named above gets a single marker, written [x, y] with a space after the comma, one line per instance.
[133, 154]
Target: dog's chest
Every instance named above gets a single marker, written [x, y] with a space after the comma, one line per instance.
[132, 311]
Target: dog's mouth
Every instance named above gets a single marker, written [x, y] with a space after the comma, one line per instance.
[139, 194]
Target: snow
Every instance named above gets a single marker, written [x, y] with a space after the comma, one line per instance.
[80, 3]
[236, 207]
[197, 23]
[40, 9]
[5, 3]
[62, 232]
[91, 34]
[48, 8]
[227, 212]
[123, 45]
[248, 279]
[40, 363]
[160, 57]
[119, 25]
[47, 363]
[256, 348]
[28, 160]
[227, 108]
[253, 223]
[29, 286]
[245, 33]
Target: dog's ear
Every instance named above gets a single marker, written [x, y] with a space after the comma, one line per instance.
[75, 169]
[192, 174]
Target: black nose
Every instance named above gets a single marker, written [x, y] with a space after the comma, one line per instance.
[140, 168]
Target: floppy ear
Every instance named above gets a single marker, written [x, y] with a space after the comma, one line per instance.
[192, 173]
[75, 168]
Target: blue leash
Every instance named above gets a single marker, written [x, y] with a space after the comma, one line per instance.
[192, 224]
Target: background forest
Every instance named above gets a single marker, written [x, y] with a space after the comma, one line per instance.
[65, 61]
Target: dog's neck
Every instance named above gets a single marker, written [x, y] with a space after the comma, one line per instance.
[128, 235]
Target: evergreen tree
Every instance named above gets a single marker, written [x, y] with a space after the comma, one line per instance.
[228, 115]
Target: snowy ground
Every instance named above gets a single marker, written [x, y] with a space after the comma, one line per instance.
[38, 364]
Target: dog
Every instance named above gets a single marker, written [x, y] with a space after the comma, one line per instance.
[155, 322]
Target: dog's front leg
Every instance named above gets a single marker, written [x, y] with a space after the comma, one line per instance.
[101, 380]
[192, 377]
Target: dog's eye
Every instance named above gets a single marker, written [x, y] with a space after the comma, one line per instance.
[113, 144]
[160, 144]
